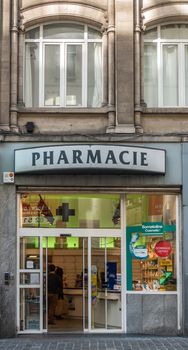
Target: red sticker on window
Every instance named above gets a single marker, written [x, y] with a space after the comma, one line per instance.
[163, 249]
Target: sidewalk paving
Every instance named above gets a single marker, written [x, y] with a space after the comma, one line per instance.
[93, 342]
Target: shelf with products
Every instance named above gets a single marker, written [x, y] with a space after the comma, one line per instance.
[150, 264]
[157, 272]
[157, 277]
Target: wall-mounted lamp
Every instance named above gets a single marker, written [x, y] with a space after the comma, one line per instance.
[30, 127]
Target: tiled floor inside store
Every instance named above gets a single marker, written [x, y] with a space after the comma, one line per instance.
[66, 325]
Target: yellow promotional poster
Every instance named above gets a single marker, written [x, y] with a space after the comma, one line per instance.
[94, 284]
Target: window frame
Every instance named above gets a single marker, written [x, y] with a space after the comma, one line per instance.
[181, 86]
[63, 43]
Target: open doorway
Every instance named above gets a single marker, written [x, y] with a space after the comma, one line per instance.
[91, 280]
[69, 256]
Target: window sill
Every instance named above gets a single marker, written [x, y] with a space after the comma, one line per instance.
[56, 110]
[165, 110]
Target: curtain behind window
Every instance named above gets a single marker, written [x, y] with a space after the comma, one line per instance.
[170, 75]
[31, 87]
[150, 75]
[52, 75]
[74, 75]
[94, 75]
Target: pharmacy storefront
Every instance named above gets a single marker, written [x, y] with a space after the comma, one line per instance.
[106, 218]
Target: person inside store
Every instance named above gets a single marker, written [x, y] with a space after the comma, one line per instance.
[61, 307]
[54, 288]
[59, 272]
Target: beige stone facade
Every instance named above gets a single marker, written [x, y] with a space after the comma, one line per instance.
[123, 110]
[122, 118]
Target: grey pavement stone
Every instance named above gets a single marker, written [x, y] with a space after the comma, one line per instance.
[94, 342]
[52, 346]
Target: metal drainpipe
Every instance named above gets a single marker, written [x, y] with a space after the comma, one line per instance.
[105, 67]
[14, 66]
[111, 63]
[20, 62]
[137, 67]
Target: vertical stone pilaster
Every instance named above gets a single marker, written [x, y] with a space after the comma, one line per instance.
[5, 66]
[111, 53]
[124, 24]
[8, 260]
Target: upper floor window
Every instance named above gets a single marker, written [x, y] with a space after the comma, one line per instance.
[63, 66]
[166, 66]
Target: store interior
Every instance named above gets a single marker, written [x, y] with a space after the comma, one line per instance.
[92, 272]
[71, 255]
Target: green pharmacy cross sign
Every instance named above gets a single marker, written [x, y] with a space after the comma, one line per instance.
[65, 212]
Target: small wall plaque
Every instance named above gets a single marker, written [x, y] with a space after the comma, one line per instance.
[8, 177]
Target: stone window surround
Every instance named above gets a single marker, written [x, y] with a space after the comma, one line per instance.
[44, 13]
[159, 14]
[97, 17]
[62, 43]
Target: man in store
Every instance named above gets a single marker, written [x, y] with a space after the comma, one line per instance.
[54, 288]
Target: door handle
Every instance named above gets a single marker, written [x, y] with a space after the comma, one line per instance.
[105, 284]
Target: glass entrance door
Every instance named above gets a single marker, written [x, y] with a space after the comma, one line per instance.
[90, 298]
[105, 283]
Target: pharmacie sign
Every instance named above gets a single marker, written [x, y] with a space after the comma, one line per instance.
[90, 157]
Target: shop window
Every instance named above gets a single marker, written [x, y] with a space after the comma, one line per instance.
[69, 211]
[63, 66]
[166, 66]
[151, 242]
